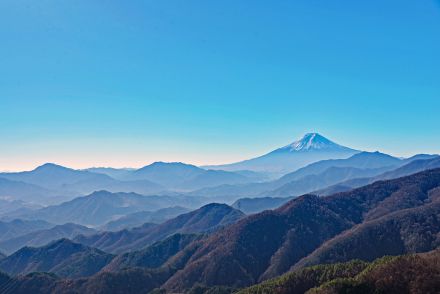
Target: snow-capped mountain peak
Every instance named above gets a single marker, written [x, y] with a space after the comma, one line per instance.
[312, 141]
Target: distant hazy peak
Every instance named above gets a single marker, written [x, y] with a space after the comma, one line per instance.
[372, 154]
[312, 141]
[50, 166]
[162, 164]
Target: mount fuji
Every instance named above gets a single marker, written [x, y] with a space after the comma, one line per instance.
[312, 147]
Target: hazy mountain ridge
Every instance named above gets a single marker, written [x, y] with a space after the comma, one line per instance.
[102, 206]
[207, 218]
[268, 244]
[45, 236]
[138, 218]
[216, 245]
[17, 227]
[413, 165]
[315, 176]
[62, 257]
[18, 190]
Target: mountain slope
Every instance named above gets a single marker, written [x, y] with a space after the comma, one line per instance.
[418, 273]
[317, 176]
[18, 227]
[207, 218]
[360, 161]
[43, 237]
[329, 177]
[413, 165]
[255, 205]
[168, 174]
[102, 206]
[138, 218]
[52, 176]
[311, 148]
[31, 193]
[212, 178]
[181, 176]
[407, 231]
[116, 173]
[267, 244]
[62, 257]
[154, 255]
[67, 182]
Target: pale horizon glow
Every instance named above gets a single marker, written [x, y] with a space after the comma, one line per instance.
[127, 83]
[114, 160]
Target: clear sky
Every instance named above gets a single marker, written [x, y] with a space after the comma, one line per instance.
[125, 83]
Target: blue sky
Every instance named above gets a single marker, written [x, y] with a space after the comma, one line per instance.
[126, 83]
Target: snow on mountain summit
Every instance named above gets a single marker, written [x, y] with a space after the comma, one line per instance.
[312, 147]
[312, 141]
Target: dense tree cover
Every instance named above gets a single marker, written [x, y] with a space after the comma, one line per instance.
[268, 244]
[417, 273]
[304, 279]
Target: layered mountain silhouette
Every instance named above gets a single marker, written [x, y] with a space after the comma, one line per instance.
[17, 227]
[396, 216]
[322, 223]
[205, 219]
[44, 236]
[52, 184]
[311, 148]
[138, 218]
[63, 257]
[413, 165]
[181, 176]
[52, 181]
[317, 176]
[101, 207]
[18, 190]
[268, 244]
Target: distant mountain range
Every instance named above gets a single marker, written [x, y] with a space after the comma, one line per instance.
[311, 216]
[181, 176]
[311, 148]
[138, 218]
[101, 207]
[44, 236]
[391, 217]
[309, 164]
[413, 165]
[205, 219]
[52, 184]
[317, 176]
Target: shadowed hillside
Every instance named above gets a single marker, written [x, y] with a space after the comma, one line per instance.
[207, 218]
[63, 257]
